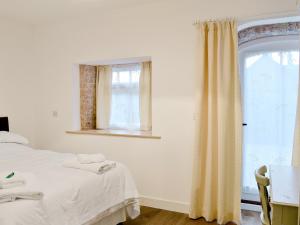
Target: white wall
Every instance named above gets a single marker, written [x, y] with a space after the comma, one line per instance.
[163, 30]
[17, 80]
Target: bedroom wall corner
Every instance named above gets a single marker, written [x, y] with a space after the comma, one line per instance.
[161, 168]
[18, 77]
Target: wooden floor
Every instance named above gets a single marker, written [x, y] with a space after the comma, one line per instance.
[151, 216]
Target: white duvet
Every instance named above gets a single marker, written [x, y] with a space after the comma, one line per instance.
[71, 196]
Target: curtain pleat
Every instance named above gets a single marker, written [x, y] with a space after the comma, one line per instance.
[296, 149]
[104, 84]
[145, 97]
[217, 163]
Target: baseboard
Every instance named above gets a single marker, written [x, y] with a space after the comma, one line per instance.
[181, 207]
[251, 207]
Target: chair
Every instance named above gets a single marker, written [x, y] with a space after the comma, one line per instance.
[262, 183]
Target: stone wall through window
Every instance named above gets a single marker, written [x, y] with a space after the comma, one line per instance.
[268, 30]
[88, 79]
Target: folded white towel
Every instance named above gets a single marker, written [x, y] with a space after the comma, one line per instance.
[98, 168]
[16, 180]
[29, 191]
[17, 193]
[91, 158]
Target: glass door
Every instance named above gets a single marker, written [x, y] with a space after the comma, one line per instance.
[270, 74]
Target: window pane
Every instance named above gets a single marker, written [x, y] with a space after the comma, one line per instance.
[125, 98]
[135, 76]
[115, 78]
[270, 101]
[124, 76]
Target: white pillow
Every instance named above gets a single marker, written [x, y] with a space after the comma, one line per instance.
[9, 137]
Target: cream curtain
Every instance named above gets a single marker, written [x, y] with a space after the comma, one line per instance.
[217, 166]
[296, 149]
[145, 97]
[104, 96]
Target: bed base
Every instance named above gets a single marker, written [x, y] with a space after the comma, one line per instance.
[116, 218]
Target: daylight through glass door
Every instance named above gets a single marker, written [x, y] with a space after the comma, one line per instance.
[270, 90]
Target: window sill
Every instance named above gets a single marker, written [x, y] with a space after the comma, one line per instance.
[119, 133]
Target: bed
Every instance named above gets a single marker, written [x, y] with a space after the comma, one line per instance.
[71, 196]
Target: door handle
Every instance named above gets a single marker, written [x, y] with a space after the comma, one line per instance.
[245, 124]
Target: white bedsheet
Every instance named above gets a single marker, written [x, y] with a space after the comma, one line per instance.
[71, 196]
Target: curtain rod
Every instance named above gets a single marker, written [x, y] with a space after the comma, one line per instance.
[242, 20]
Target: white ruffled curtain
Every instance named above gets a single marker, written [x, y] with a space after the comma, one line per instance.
[103, 103]
[296, 149]
[124, 97]
[145, 97]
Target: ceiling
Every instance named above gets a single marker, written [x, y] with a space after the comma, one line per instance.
[39, 11]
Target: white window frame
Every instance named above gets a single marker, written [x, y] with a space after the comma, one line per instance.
[279, 43]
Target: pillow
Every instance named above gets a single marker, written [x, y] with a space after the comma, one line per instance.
[9, 137]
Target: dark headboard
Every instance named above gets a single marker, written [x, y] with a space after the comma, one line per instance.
[4, 126]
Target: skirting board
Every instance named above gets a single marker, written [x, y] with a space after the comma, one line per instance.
[181, 207]
[256, 208]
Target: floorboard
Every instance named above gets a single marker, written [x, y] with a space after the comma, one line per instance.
[152, 216]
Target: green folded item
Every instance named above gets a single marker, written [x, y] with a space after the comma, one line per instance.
[10, 175]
